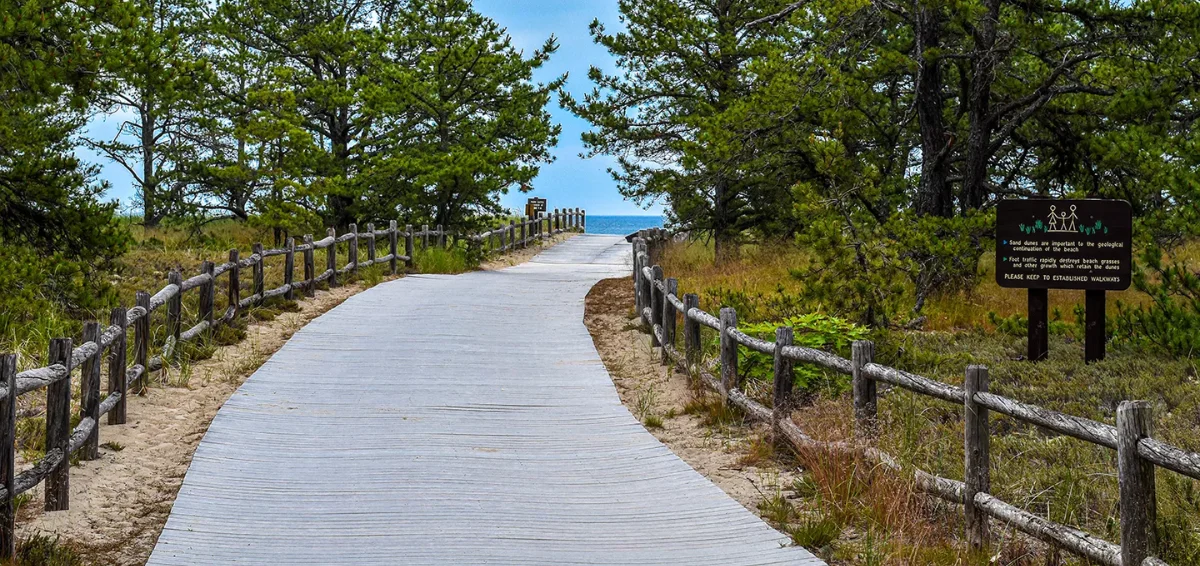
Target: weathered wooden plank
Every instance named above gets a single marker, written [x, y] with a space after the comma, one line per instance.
[331, 265]
[1077, 427]
[1136, 478]
[174, 306]
[8, 438]
[729, 352]
[310, 286]
[913, 382]
[862, 352]
[233, 293]
[259, 273]
[141, 337]
[289, 269]
[117, 371]
[89, 391]
[977, 453]
[58, 428]
[1079, 542]
[691, 330]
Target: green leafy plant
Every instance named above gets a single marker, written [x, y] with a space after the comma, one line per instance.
[813, 330]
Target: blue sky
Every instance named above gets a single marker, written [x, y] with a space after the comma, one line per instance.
[570, 181]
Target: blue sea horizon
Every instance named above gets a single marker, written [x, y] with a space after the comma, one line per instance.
[622, 225]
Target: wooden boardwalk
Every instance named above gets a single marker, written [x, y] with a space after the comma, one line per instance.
[453, 420]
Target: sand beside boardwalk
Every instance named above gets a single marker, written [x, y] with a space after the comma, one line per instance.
[645, 385]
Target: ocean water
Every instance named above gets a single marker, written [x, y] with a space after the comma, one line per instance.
[623, 225]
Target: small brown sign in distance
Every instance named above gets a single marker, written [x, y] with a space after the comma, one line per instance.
[1064, 244]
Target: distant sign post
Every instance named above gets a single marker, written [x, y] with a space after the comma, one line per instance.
[535, 207]
[1046, 244]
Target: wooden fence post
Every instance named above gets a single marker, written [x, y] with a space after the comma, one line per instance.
[289, 268]
[512, 235]
[977, 451]
[58, 428]
[524, 221]
[141, 335]
[371, 243]
[8, 457]
[656, 301]
[668, 317]
[647, 295]
[1136, 477]
[175, 305]
[441, 237]
[392, 246]
[408, 246]
[352, 251]
[117, 379]
[309, 267]
[234, 293]
[207, 292]
[729, 351]
[691, 331]
[424, 236]
[637, 279]
[331, 257]
[258, 273]
[783, 376]
[583, 220]
[89, 392]
[862, 352]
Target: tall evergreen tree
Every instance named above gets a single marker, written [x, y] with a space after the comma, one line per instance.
[682, 65]
[469, 123]
[318, 54]
[162, 69]
[53, 54]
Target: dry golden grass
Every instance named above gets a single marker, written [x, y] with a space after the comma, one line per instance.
[770, 268]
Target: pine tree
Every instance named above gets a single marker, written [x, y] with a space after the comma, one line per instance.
[682, 66]
[53, 54]
[460, 120]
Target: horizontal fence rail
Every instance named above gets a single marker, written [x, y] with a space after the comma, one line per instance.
[109, 345]
[661, 308]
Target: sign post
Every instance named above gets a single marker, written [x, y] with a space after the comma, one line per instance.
[1044, 244]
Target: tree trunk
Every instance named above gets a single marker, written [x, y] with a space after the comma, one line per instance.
[150, 210]
[724, 237]
[979, 138]
[933, 194]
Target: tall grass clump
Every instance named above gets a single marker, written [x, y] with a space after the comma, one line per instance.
[438, 260]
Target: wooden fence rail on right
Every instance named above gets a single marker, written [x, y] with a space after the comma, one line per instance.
[1138, 453]
[89, 356]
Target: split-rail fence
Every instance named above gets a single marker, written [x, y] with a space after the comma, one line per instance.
[109, 345]
[661, 308]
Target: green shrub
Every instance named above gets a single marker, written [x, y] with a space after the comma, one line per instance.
[813, 330]
[43, 294]
[1172, 322]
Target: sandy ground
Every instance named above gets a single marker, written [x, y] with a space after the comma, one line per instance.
[120, 502]
[524, 255]
[726, 455]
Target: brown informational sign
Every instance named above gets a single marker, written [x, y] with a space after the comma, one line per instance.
[1064, 244]
[535, 207]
